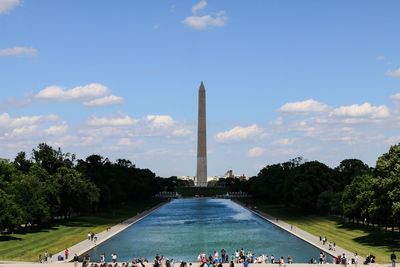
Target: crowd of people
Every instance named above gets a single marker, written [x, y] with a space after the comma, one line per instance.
[240, 256]
[216, 259]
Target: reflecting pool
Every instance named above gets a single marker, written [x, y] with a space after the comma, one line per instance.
[184, 227]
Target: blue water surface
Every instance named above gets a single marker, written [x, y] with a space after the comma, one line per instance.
[184, 227]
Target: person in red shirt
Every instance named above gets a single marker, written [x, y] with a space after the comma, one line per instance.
[66, 253]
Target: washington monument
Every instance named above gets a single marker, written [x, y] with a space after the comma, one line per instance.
[201, 175]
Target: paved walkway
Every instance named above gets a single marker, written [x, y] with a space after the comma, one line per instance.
[309, 238]
[87, 245]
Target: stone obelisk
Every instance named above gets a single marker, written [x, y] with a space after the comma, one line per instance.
[201, 175]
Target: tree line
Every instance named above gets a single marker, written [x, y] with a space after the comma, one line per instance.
[353, 189]
[51, 185]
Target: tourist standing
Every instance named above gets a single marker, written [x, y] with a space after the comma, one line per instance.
[75, 260]
[393, 258]
[343, 260]
[355, 259]
[114, 257]
[66, 253]
[321, 257]
[231, 264]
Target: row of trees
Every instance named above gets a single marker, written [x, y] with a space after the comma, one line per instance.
[352, 189]
[51, 185]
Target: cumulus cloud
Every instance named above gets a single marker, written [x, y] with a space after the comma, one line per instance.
[284, 142]
[239, 133]
[117, 121]
[202, 4]
[24, 131]
[125, 142]
[18, 51]
[255, 152]
[364, 110]
[7, 5]
[104, 101]
[160, 121]
[7, 121]
[56, 130]
[4, 119]
[395, 97]
[77, 93]
[205, 21]
[25, 127]
[394, 73]
[31, 120]
[91, 95]
[306, 106]
[182, 132]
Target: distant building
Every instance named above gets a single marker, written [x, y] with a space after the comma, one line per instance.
[186, 178]
[230, 175]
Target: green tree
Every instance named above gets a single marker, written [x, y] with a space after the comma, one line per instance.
[11, 214]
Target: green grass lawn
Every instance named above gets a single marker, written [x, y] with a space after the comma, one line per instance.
[363, 239]
[27, 247]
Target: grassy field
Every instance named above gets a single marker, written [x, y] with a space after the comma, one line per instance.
[27, 247]
[363, 239]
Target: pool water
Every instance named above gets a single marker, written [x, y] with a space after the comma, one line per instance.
[182, 228]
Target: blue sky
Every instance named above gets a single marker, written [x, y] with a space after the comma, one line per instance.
[318, 79]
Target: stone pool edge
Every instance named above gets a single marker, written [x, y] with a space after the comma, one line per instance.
[299, 233]
[86, 245]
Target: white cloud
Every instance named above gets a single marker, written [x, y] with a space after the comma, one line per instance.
[104, 101]
[206, 21]
[27, 120]
[160, 121]
[56, 130]
[255, 152]
[364, 110]
[121, 120]
[8, 5]
[306, 106]
[394, 73]
[57, 93]
[202, 4]
[284, 141]
[125, 142]
[392, 140]
[24, 131]
[182, 132]
[18, 51]
[239, 133]
[4, 119]
[91, 95]
[395, 97]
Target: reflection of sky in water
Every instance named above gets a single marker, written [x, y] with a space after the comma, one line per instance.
[184, 227]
